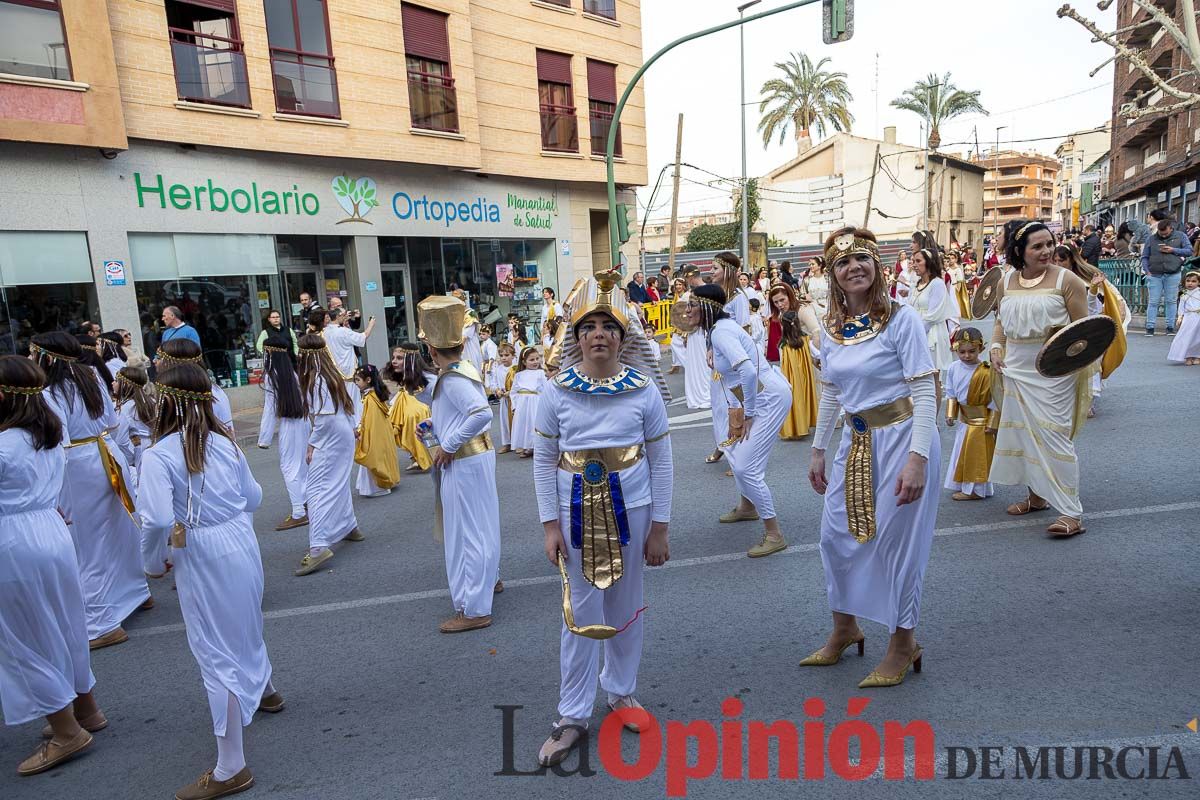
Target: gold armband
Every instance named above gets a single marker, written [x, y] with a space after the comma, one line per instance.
[951, 408]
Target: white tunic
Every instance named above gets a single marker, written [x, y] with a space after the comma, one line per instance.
[958, 382]
[489, 349]
[738, 309]
[574, 420]
[472, 350]
[527, 386]
[494, 382]
[129, 425]
[1187, 340]
[221, 407]
[467, 487]
[766, 398]
[44, 660]
[697, 380]
[817, 288]
[341, 342]
[933, 302]
[219, 572]
[880, 579]
[327, 485]
[107, 541]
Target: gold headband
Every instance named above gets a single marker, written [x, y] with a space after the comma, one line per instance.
[970, 338]
[183, 394]
[271, 349]
[724, 263]
[1026, 227]
[708, 302]
[849, 244]
[163, 355]
[27, 390]
[129, 382]
[1191, 274]
[313, 350]
[41, 351]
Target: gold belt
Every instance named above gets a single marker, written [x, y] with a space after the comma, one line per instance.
[474, 446]
[614, 459]
[116, 477]
[859, 478]
[526, 391]
[976, 416]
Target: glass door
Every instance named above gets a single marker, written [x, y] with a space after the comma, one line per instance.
[397, 308]
[296, 281]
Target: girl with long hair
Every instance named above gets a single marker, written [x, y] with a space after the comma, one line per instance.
[136, 412]
[92, 357]
[678, 337]
[935, 305]
[112, 350]
[756, 397]
[284, 407]
[726, 269]
[797, 324]
[178, 351]
[878, 521]
[375, 447]
[197, 492]
[330, 454]
[45, 667]
[416, 379]
[100, 501]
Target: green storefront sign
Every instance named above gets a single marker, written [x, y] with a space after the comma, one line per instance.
[209, 196]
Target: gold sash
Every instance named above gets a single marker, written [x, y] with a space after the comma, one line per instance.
[859, 478]
[598, 506]
[474, 446]
[116, 478]
[614, 459]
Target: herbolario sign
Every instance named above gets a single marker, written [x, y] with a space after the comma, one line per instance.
[209, 196]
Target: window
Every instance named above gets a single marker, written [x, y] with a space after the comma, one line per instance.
[560, 131]
[430, 86]
[601, 8]
[32, 39]
[602, 105]
[301, 57]
[210, 65]
[563, 3]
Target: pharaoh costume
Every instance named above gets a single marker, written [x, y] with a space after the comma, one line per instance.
[407, 412]
[375, 448]
[44, 662]
[969, 402]
[498, 382]
[796, 364]
[472, 349]
[962, 295]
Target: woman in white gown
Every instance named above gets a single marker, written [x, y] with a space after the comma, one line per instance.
[879, 518]
[197, 490]
[815, 286]
[100, 502]
[757, 399]
[45, 667]
[329, 453]
[282, 398]
[726, 267]
[135, 414]
[1039, 416]
[935, 304]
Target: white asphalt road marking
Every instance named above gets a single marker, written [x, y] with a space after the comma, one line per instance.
[538, 580]
[691, 417]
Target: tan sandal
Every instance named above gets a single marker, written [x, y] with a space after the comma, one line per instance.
[563, 739]
[1023, 507]
[1065, 527]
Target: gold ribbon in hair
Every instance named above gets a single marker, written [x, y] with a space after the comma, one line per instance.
[849, 244]
[272, 349]
[708, 302]
[164, 356]
[313, 349]
[128, 382]
[724, 262]
[1026, 227]
[30, 390]
[971, 338]
[183, 394]
[41, 351]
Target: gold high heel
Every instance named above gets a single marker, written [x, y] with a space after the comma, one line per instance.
[875, 680]
[818, 660]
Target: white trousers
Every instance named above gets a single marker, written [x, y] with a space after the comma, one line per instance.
[579, 656]
[748, 458]
[471, 530]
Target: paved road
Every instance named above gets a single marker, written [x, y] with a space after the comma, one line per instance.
[1029, 641]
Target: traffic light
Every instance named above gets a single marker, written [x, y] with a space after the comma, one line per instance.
[838, 18]
[626, 221]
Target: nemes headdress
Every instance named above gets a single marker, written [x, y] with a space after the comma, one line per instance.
[440, 321]
[847, 245]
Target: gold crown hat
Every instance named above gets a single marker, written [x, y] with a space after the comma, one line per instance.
[602, 294]
[440, 321]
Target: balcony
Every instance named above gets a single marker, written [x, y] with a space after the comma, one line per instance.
[560, 129]
[1130, 171]
[434, 102]
[1154, 159]
[601, 8]
[211, 73]
[304, 84]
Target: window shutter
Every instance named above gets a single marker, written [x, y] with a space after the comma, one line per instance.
[553, 67]
[602, 81]
[425, 33]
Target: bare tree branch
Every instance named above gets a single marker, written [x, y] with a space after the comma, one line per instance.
[1134, 114]
[1164, 20]
[1135, 56]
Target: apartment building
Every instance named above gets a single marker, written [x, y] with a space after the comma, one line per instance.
[1156, 160]
[224, 156]
[1017, 186]
[1075, 155]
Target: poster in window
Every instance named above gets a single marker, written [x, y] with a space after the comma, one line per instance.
[504, 279]
[527, 270]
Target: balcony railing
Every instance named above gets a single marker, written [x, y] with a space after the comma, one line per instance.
[1154, 159]
[601, 8]
[560, 129]
[434, 102]
[1130, 171]
[600, 122]
[305, 84]
[211, 74]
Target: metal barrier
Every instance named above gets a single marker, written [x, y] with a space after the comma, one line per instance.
[659, 315]
[1126, 275]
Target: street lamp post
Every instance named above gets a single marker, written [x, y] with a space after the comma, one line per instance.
[996, 188]
[745, 183]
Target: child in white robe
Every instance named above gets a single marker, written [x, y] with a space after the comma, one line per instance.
[286, 409]
[526, 387]
[135, 412]
[1186, 346]
[498, 383]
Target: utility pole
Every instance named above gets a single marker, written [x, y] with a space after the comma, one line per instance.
[675, 196]
[745, 182]
[871, 188]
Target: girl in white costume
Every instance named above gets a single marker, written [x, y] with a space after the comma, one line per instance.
[815, 286]
[725, 274]
[135, 413]
[1039, 416]
[106, 537]
[678, 337]
[197, 490]
[1186, 347]
[498, 382]
[935, 304]
[283, 400]
[184, 351]
[602, 433]
[879, 517]
[971, 407]
[330, 455]
[45, 668]
[757, 398]
[527, 386]
[375, 445]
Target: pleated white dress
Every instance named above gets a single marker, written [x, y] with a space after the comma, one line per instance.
[767, 398]
[470, 503]
[219, 572]
[936, 306]
[881, 579]
[327, 484]
[107, 541]
[293, 447]
[527, 387]
[1187, 341]
[44, 661]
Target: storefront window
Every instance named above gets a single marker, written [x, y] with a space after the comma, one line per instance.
[29, 310]
[532, 266]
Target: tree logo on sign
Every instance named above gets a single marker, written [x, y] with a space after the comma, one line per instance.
[357, 197]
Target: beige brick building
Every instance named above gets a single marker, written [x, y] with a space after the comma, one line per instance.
[225, 155]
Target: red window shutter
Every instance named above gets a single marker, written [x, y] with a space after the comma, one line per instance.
[220, 5]
[602, 81]
[425, 34]
[553, 67]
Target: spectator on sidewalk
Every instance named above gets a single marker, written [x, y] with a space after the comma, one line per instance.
[176, 328]
[637, 289]
[1090, 249]
[1162, 261]
[1122, 244]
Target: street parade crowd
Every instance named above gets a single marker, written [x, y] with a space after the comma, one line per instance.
[110, 480]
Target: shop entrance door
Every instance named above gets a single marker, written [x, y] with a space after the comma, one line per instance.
[296, 281]
[397, 306]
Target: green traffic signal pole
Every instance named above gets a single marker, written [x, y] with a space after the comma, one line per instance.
[614, 245]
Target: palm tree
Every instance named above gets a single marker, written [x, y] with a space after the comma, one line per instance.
[805, 97]
[937, 100]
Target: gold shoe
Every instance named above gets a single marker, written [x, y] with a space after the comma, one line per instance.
[818, 660]
[766, 547]
[876, 681]
[355, 536]
[115, 636]
[739, 516]
[292, 522]
[310, 563]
